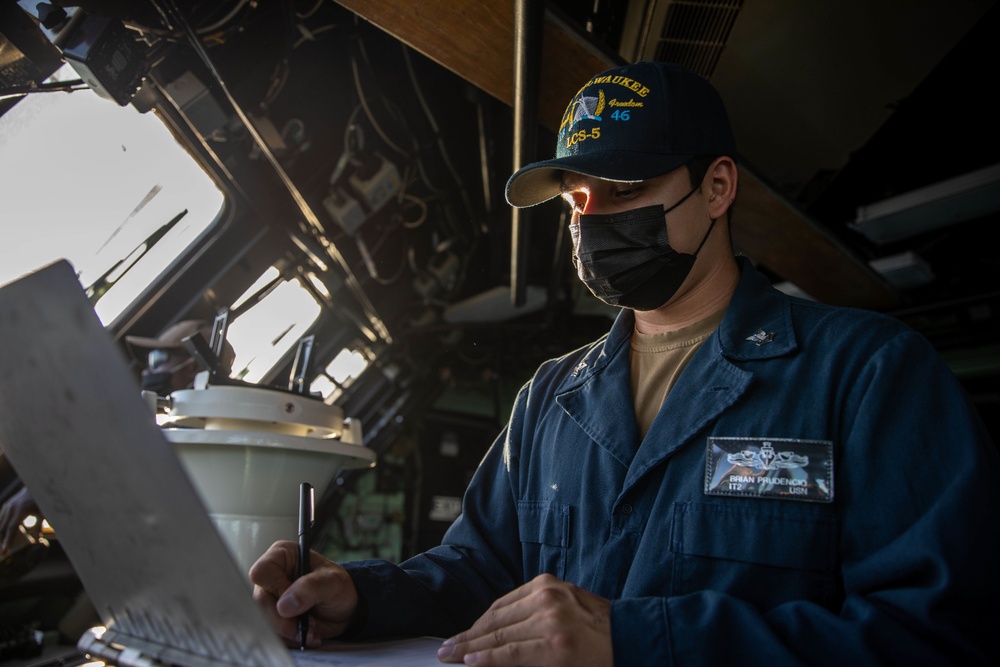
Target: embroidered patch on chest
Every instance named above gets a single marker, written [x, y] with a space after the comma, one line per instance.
[770, 468]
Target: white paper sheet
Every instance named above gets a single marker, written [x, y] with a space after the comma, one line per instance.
[415, 652]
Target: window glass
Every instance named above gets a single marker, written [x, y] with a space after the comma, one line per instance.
[272, 327]
[339, 373]
[103, 186]
[346, 366]
[325, 387]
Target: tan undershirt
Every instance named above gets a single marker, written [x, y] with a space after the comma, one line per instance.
[657, 361]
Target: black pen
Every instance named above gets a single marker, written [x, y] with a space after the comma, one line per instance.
[306, 516]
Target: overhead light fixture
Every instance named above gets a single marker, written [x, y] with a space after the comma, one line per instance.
[906, 270]
[949, 202]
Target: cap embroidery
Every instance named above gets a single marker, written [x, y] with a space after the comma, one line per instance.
[619, 80]
[589, 108]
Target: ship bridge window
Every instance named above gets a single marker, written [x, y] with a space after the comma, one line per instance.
[103, 186]
[271, 328]
[339, 374]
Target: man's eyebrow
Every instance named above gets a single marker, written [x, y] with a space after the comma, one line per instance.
[566, 183]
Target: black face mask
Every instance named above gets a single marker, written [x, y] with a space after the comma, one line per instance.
[625, 258]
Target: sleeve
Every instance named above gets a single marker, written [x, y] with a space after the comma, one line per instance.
[445, 589]
[919, 543]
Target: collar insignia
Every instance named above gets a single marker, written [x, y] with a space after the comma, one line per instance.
[761, 337]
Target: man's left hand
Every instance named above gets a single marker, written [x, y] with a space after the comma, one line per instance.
[546, 622]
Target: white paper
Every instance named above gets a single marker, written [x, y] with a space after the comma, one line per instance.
[415, 652]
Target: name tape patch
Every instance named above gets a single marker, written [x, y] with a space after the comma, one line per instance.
[770, 468]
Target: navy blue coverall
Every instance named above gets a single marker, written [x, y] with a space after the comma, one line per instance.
[816, 489]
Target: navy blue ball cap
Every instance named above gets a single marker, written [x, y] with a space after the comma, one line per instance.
[630, 123]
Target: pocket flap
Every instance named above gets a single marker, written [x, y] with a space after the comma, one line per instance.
[543, 522]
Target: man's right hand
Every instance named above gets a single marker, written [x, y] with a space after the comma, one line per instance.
[327, 593]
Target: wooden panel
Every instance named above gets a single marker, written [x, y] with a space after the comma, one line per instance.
[777, 236]
[475, 40]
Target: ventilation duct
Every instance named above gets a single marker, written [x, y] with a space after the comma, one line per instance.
[690, 33]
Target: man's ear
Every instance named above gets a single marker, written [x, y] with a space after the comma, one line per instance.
[722, 179]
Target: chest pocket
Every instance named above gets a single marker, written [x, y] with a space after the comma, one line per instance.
[543, 527]
[757, 551]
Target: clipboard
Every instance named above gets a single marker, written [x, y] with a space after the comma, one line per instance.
[75, 427]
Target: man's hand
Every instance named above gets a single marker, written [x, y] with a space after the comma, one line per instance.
[327, 593]
[545, 622]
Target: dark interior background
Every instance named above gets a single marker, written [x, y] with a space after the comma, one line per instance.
[836, 107]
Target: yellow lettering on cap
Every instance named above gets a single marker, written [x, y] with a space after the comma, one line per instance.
[619, 80]
[624, 103]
